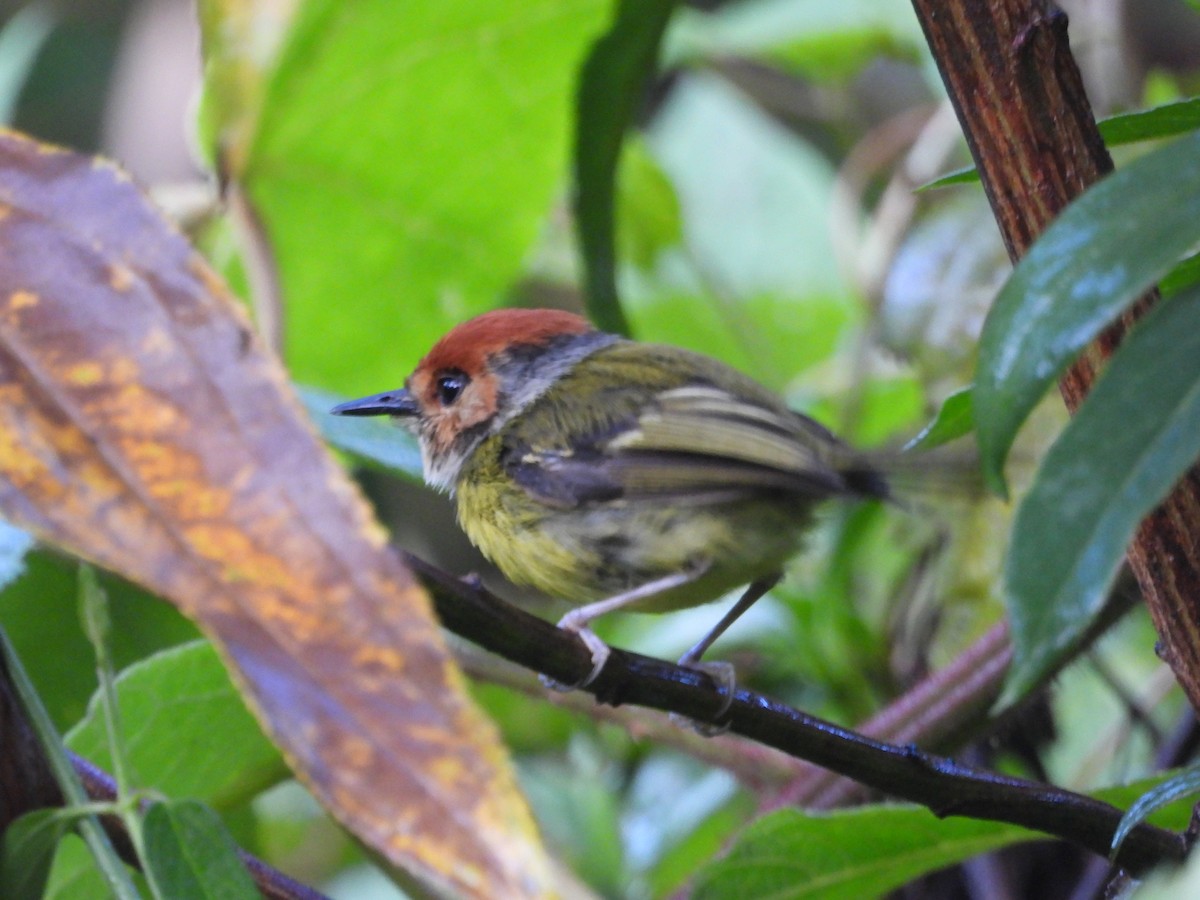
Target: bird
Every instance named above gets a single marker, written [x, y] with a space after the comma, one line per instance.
[617, 474]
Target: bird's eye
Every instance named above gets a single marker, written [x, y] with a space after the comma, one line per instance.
[449, 386]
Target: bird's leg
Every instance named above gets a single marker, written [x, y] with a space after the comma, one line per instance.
[578, 620]
[750, 596]
[722, 672]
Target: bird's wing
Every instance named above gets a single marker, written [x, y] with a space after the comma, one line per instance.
[695, 443]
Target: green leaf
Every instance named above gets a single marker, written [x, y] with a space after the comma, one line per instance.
[28, 851]
[74, 873]
[955, 419]
[857, 853]
[965, 175]
[183, 698]
[22, 38]
[611, 87]
[1185, 783]
[1182, 276]
[190, 855]
[1105, 249]
[405, 160]
[373, 440]
[868, 851]
[1164, 121]
[1136, 434]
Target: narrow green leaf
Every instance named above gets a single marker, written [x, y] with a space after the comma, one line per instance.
[858, 853]
[1164, 121]
[1185, 783]
[1105, 249]
[28, 851]
[611, 86]
[1118, 457]
[90, 829]
[955, 419]
[965, 175]
[191, 856]
[373, 440]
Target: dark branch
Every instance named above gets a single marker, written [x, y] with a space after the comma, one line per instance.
[941, 784]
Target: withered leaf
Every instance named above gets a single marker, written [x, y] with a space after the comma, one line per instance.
[144, 427]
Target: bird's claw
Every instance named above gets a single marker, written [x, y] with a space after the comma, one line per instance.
[724, 676]
[599, 650]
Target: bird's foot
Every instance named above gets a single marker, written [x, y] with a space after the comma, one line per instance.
[725, 677]
[599, 650]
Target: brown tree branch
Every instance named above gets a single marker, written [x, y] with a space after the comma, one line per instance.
[1016, 89]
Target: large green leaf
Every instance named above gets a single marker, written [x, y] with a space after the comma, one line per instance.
[1104, 250]
[405, 158]
[1118, 457]
[187, 731]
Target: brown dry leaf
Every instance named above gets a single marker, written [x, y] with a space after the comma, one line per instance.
[142, 426]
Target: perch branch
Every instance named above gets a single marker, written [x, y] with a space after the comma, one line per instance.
[944, 786]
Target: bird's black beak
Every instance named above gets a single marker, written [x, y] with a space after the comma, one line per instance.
[391, 403]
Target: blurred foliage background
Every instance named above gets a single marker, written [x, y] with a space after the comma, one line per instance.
[407, 165]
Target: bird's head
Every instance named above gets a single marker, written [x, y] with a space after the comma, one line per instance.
[476, 378]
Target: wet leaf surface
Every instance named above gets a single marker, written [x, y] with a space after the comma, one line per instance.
[1097, 257]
